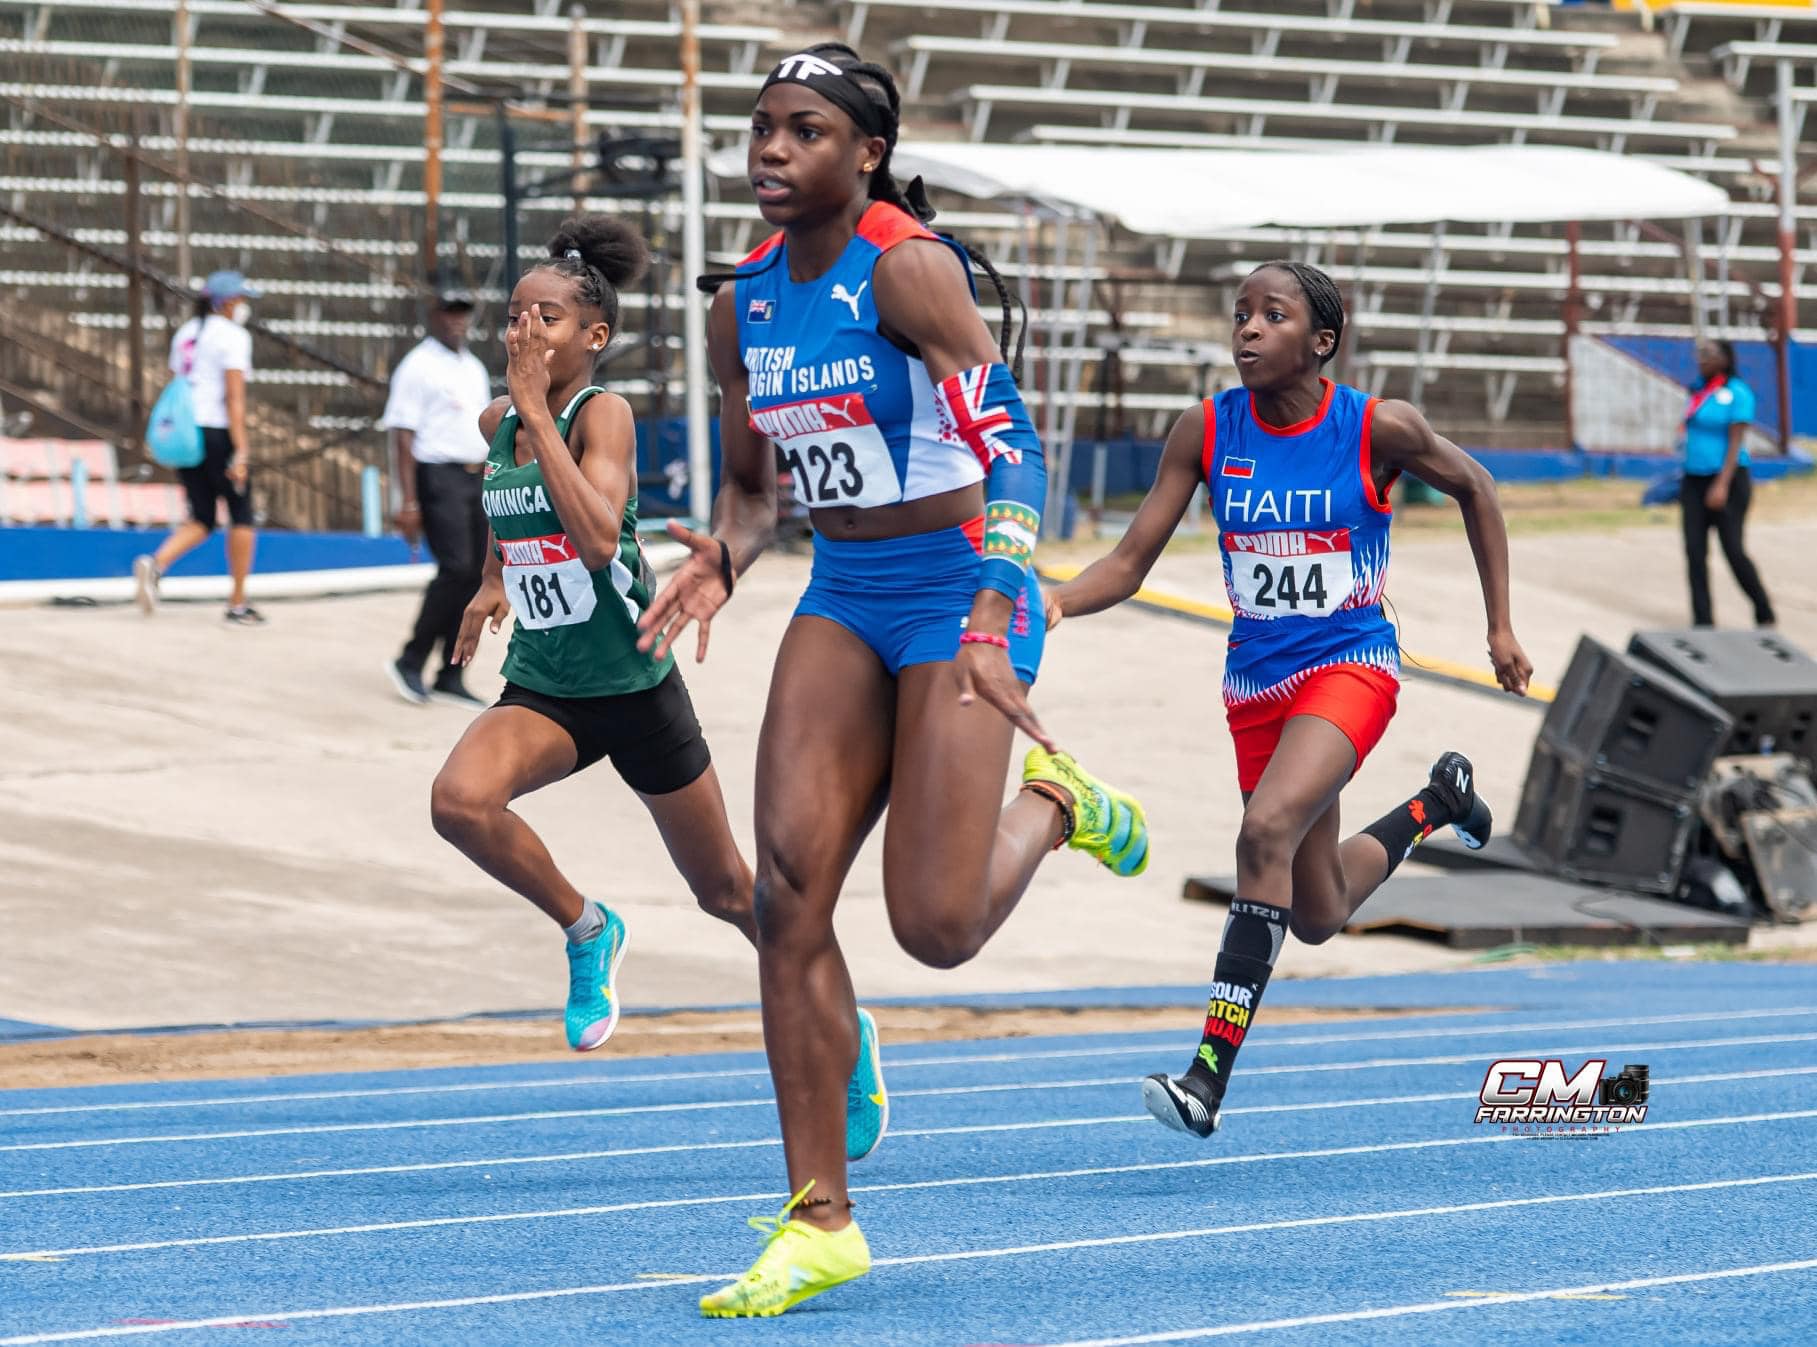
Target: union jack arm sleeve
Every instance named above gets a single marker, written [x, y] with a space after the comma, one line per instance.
[986, 412]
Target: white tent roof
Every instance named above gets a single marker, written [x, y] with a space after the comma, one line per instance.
[1196, 193]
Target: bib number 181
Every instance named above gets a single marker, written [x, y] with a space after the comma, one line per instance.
[555, 591]
[543, 596]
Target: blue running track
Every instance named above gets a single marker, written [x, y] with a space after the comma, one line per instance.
[1022, 1196]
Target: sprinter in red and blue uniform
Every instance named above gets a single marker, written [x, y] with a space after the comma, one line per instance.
[1299, 469]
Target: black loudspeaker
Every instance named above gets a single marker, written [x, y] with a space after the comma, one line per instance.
[1594, 827]
[1622, 718]
[1766, 684]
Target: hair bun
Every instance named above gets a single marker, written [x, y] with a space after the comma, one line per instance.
[610, 246]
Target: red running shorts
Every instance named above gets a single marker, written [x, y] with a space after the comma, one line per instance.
[1357, 699]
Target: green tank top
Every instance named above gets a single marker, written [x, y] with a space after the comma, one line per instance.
[576, 630]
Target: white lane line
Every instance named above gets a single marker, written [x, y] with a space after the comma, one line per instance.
[564, 1213]
[1440, 1306]
[1098, 1082]
[1378, 1063]
[1163, 1040]
[1014, 1251]
[627, 1110]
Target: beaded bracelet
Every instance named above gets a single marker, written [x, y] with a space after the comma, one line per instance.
[984, 638]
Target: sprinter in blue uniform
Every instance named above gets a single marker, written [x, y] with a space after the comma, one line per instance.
[849, 347]
[1298, 469]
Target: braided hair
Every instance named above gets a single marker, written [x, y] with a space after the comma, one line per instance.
[601, 254]
[1322, 297]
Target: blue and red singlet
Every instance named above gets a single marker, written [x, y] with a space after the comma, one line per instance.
[1304, 537]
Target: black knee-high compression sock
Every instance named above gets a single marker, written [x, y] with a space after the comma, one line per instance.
[1405, 826]
[1253, 935]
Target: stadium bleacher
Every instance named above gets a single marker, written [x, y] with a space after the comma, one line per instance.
[289, 127]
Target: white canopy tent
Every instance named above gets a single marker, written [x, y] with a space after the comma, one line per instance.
[1201, 193]
[1191, 193]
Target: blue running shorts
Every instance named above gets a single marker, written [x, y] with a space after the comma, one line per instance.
[908, 598]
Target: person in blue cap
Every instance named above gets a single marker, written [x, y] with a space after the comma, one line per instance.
[213, 350]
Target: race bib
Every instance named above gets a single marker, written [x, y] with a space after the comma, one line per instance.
[832, 450]
[1302, 571]
[546, 582]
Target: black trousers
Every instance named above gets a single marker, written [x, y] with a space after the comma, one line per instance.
[1698, 519]
[454, 526]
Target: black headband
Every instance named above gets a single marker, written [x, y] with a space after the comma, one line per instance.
[834, 85]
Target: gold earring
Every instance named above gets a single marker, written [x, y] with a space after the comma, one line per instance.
[869, 167]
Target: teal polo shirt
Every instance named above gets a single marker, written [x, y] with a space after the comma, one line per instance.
[1707, 430]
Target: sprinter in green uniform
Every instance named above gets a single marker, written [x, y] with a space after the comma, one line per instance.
[560, 494]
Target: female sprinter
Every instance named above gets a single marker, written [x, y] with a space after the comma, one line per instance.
[560, 494]
[1299, 470]
[851, 341]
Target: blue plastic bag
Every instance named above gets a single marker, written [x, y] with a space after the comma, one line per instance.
[172, 436]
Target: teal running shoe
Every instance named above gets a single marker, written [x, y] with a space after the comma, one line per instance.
[867, 1104]
[592, 1012]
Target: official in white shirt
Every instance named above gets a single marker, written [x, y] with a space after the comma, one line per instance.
[438, 391]
[213, 350]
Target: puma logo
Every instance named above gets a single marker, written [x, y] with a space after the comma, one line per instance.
[831, 409]
[844, 296]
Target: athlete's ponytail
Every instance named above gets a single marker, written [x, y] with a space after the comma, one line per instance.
[602, 254]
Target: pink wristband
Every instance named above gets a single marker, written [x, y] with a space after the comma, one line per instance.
[983, 638]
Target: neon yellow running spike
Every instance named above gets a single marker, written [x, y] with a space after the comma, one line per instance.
[1107, 824]
[798, 1261]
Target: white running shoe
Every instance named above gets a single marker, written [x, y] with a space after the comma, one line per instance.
[145, 584]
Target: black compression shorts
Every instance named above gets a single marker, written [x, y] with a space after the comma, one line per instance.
[652, 737]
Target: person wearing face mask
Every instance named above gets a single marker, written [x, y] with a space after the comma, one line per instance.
[213, 350]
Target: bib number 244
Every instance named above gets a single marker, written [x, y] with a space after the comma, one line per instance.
[1292, 571]
[1288, 584]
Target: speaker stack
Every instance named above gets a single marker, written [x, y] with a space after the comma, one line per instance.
[1696, 742]
[1767, 685]
[1612, 792]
